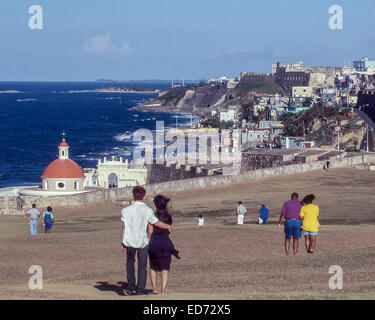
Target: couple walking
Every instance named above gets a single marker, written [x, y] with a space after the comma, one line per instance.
[300, 216]
[33, 215]
[146, 234]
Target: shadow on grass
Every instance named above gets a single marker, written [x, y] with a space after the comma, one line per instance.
[234, 223]
[118, 288]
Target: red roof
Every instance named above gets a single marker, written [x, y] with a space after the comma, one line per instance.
[63, 144]
[63, 168]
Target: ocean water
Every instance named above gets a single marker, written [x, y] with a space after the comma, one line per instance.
[97, 125]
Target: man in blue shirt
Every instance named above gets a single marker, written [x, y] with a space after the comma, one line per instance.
[263, 214]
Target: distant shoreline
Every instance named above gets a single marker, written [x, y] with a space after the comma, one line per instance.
[113, 91]
[10, 91]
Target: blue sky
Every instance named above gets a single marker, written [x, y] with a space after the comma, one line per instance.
[165, 39]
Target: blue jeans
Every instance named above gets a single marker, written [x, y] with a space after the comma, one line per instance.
[142, 255]
[33, 226]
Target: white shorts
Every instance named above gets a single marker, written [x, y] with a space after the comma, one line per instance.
[240, 218]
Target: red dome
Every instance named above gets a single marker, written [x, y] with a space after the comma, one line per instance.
[63, 144]
[63, 168]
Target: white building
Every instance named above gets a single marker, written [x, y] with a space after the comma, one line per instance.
[229, 115]
[63, 174]
[116, 173]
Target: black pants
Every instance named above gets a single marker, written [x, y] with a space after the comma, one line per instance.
[142, 255]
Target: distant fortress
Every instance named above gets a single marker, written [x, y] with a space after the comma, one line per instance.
[290, 75]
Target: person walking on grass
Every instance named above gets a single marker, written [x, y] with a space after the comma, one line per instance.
[134, 239]
[48, 220]
[33, 214]
[160, 247]
[292, 225]
[241, 213]
[310, 224]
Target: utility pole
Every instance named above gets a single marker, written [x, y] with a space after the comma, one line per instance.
[367, 128]
[271, 136]
[338, 129]
[303, 126]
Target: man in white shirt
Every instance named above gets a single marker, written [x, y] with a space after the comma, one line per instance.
[33, 214]
[241, 212]
[135, 219]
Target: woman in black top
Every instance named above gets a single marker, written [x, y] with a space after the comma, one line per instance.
[160, 247]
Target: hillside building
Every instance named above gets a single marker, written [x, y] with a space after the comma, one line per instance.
[363, 64]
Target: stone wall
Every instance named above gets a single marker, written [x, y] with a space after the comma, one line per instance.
[204, 182]
[12, 205]
[289, 79]
[66, 200]
[256, 78]
[249, 161]
[161, 172]
[254, 161]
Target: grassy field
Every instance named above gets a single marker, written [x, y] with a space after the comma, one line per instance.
[82, 259]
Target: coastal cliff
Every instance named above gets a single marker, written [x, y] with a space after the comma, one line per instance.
[201, 99]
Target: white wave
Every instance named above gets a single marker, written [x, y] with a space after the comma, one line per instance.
[110, 98]
[26, 100]
[10, 91]
[105, 153]
[123, 136]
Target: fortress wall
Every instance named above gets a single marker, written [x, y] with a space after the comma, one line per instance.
[329, 71]
[161, 173]
[66, 200]
[12, 205]
[204, 182]
[254, 161]
[9, 206]
[256, 78]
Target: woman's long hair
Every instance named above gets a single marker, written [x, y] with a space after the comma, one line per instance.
[162, 212]
[308, 199]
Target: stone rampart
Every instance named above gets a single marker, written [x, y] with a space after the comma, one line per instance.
[16, 205]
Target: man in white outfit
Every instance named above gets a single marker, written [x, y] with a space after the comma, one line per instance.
[33, 214]
[134, 239]
[241, 213]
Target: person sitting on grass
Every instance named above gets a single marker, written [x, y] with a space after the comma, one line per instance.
[310, 225]
[201, 220]
[263, 214]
